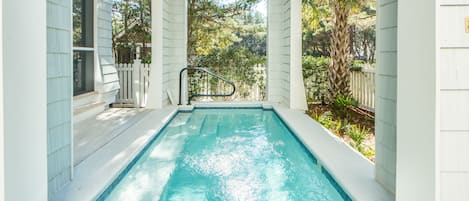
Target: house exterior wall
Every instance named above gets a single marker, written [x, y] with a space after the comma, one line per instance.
[454, 96]
[59, 94]
[25, 99]
[107, 80]
[386, 93]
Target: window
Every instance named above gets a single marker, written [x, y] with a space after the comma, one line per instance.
[83, 50]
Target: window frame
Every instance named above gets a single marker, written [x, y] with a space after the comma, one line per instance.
[84, 48]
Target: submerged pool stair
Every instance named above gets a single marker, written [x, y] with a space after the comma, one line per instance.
[210, 125]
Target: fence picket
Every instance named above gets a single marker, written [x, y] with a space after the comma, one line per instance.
[363, 87]
[133, 80]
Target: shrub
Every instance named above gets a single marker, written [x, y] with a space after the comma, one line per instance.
[341, 105]
[357, 134]
[316, 77]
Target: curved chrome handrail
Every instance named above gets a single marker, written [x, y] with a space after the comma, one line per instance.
[205, 95]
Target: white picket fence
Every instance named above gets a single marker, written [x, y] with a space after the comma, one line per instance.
[134, 83]
[362, 84]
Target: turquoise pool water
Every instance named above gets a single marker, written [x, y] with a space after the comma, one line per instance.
[224, 154]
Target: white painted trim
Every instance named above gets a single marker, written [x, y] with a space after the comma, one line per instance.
[98, 79]
[82, 48]
[155, 92]
[2, 163]
[71, 89]
[417, 172]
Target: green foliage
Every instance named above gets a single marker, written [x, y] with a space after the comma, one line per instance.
[340, 127]
[341, 106]
[317, 17]
[213, 24]
[229, 39]
[131, 27]
[344, 101]
[316, 21]
[357, 134]
[357, 65]
[315, 77]
[131, 13]
[327, 120]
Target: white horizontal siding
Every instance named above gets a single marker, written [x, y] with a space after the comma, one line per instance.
[59, 94]
[386, 93]
[454, 96]
[174, 46]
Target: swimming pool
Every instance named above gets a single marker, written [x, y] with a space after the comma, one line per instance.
[224, 154]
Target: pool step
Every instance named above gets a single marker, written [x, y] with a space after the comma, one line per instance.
[181, 119]
[210, 125]
[195, 123]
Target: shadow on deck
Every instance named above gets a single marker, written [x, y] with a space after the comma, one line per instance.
[93, 133]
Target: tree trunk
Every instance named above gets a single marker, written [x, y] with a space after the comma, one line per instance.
[339, 74]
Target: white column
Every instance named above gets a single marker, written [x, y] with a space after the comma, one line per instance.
[297, 87]
[417, 101]
[285, 84]
[25, 100]
[155, 91]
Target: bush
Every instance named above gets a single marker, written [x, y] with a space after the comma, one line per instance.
[357, 65]
[357, 134]
[341, 105]
[316, 77]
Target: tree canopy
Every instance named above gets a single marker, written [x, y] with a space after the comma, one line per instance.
[228, 37]
[317, 17]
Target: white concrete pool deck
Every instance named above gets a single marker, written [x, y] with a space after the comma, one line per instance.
[352, 171]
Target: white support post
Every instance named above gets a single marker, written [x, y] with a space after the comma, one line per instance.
[417, 172]
[285, 84]
[155, 92]
[25, 99]
[297, 87]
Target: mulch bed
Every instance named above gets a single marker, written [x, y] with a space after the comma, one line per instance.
[359, 116]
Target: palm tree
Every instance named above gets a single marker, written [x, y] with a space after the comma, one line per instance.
[339, 74]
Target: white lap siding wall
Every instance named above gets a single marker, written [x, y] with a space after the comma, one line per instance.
[454, 99]
[59, 94]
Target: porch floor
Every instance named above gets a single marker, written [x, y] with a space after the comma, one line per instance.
[116, 137]
[93, 133]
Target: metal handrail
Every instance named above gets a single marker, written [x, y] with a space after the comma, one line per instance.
[203, 95]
